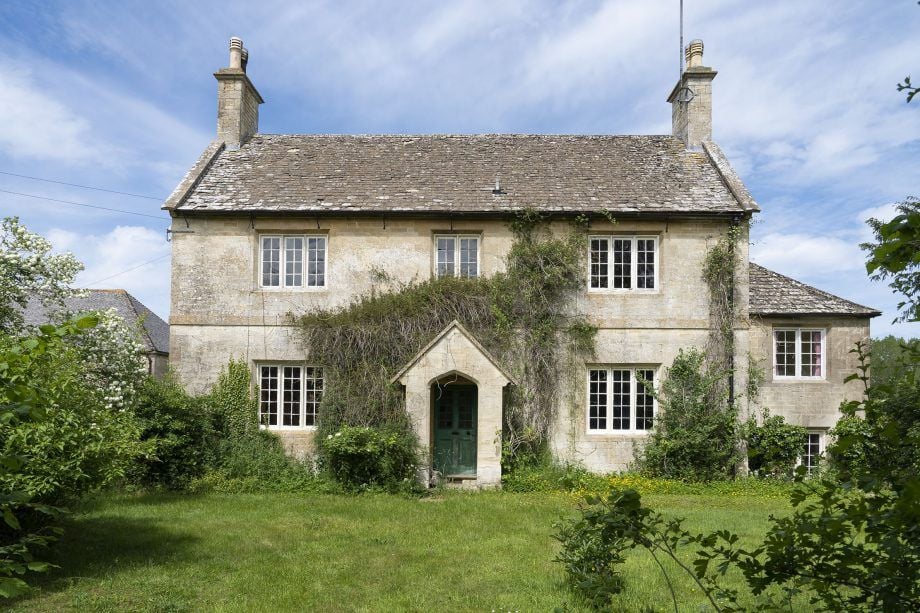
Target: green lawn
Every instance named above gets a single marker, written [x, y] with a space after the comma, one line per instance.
[487, 551]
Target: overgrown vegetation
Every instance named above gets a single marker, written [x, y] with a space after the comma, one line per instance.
[773, 446]
[851, 542]
[524, 316]
[696, 431]
[360, 457]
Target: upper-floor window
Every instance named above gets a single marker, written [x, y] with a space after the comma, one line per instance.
[293, 261]
[456, 255]
[798, 353]
[619, 400]
[623, 263]
[289, 395]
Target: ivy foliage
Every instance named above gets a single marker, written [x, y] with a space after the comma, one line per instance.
[525, 316]
[696, 433]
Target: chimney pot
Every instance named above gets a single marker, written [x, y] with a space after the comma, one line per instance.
[694, 53]
[244, 58]
[236, 53]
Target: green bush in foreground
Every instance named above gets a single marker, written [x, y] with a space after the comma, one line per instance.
[361, 457]
[180, 429]
[773, 446]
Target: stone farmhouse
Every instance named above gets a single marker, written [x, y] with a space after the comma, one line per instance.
[266, 225]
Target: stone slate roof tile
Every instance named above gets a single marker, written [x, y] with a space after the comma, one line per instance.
[450, 173]
[776, 294]
[155, 331]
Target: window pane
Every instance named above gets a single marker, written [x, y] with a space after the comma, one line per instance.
[445, 247]
[271, 261]
[316, 261]
[313, 395]
[469, 257]
[293, 261]
[811, 455]
[621, 402]
[784, 352]
[645, 403]
[600, 255]
[268, 395]
[622, 264]
[597, 400]
[811, 353]
[645, 264]
[291, 403]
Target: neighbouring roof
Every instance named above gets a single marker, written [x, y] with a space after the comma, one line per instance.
[155, 331]
[776, 294]
[275, 173]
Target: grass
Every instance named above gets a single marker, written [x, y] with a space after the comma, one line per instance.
[487, 551]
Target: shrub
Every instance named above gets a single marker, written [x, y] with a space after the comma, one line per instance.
[590, 557]
[773, 445]
[886, 441]
[257, 462]
[80, 445]
[695, 437]
[359, 457]
[179, 428]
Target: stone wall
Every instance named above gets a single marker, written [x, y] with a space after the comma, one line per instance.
[811, 403]
[219, 311]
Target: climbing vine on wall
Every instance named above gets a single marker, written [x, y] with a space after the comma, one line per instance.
[525, 316]
[720, 271]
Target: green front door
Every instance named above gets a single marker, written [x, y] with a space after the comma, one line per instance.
[455, 430]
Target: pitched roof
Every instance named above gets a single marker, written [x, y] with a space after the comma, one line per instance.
[155, 331]
[462, 329]
[776, 294]
[276, 173]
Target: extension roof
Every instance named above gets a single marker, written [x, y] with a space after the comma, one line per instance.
[470, 174]
[776, 294]
[154, 331]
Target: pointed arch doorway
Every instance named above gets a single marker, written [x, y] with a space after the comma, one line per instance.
[455, 422]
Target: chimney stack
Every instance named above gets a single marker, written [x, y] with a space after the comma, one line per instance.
[237, 99]
[691, 100]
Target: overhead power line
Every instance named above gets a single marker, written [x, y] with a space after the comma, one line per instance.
[98, 189]
[89, 206]
[118, 274]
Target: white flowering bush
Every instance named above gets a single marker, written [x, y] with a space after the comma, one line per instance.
[29, 269]
[113, 359]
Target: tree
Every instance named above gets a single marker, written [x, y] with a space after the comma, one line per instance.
[28, 269]
[891, 359]
[895, 256]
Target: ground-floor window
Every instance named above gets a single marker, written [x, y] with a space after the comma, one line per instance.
[813, 450]
[289, 395]
[620, 399]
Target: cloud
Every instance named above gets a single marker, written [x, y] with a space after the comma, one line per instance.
[133, 258]
[806, 255]
[36, 125]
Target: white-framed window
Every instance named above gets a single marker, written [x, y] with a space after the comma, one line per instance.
[623, 263]
[813, 451]
[297, 260]
[620, 399]
[798, 353]
[289, 395]
[456, 255]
